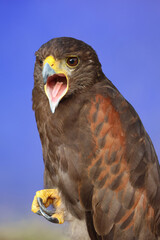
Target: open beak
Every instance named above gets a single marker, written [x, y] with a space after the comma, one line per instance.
[55, 82]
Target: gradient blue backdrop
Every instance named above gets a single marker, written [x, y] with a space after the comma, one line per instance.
[126, 37]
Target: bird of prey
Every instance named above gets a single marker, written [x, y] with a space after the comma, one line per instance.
[101, 171]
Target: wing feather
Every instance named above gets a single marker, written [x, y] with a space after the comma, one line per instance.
[124, 173]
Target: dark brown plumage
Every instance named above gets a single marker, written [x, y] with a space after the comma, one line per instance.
[96, 150]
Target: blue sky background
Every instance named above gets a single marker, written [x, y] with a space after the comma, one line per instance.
[126, 37]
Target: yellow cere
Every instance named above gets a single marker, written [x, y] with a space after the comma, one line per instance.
[54, 64]
[50, 60]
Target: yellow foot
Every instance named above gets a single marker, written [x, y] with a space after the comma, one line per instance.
[42, 200]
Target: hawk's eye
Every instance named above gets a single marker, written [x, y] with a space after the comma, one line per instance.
[40, 62]
[72, 61]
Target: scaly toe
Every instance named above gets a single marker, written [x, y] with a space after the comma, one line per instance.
[43, 199]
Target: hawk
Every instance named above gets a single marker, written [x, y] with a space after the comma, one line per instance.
[101, 171]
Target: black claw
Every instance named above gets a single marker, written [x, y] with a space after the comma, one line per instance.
[43, 208]
[45, 212]
[38, 212]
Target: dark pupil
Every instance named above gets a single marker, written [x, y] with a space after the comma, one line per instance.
[72, 61]
[40, 61]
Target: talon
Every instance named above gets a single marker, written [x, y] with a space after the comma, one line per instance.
[38, 212]
[42, 200]
[46, 213]
[43, 208]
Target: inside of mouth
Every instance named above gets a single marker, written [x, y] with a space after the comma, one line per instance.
[56, 87]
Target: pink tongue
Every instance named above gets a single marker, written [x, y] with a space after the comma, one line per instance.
[57, 91]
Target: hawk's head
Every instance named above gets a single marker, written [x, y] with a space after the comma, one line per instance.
[65, 66]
